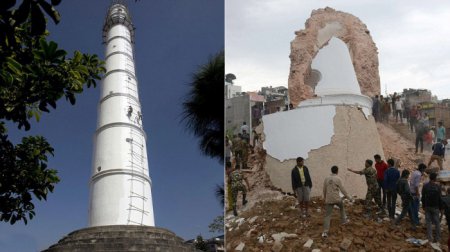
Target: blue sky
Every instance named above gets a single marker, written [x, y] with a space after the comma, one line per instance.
[173, 38]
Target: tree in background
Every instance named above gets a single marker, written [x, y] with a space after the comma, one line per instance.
[200, 244]
[204, 117]
[34, 74]
[204, 107]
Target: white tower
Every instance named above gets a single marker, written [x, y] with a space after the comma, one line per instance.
[120, 184]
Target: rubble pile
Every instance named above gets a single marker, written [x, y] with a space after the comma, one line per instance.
[276, 226]
[271, 220]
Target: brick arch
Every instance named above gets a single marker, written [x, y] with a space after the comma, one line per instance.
[319, 28]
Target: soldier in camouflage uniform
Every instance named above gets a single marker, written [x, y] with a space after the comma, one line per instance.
[237, 145]
[236, 181]
[244, 148]
[372, 186]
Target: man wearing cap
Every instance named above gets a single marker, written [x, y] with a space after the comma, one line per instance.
[372, 186]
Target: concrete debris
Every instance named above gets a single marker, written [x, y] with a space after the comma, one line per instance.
[315, 250]
[261, 239]
[249, 233]
[240, 247]
[280, 236]
[240, 221]
[345, 244]
[253, 219]
[436, 247]
[308, 243]
[277, 246]
[418, 242]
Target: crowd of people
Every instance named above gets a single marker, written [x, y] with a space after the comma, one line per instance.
[385, 182]
[404, 112]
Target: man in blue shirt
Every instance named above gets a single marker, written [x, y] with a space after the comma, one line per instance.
[391, 176]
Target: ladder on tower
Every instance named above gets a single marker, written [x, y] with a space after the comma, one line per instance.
[136, 154]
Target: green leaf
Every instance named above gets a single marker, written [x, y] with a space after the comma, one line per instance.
[14, 66]
[52, 47]
[59, 54]
[77, 56]
[51, 11]
[37, 115]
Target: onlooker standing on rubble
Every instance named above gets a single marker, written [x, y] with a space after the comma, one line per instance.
[301, 185]
[446, 207]
[431, 202]
[376, 108]
[391, 176]
[440, 134]
[393, 100]
[372, 186]
[331, 188]
[438, 153]
[426, 120]
[386, 110]
[413, 115]
[381, 167]
[406, 109]
[414, 186]
[420, 133]
[398, 110]
[405, 194]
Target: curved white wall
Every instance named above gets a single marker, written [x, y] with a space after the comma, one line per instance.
[338, 74]
[118, 82]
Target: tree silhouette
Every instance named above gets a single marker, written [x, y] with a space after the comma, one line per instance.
[203, 111]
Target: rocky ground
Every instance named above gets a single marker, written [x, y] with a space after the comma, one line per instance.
[271, 220]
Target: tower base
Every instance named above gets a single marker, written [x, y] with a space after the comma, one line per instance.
[121, 238]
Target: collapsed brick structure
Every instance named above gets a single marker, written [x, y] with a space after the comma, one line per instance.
[334, 125]
[319, 28]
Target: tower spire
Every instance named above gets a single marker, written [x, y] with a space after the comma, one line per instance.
[120, 183]
[118, 14]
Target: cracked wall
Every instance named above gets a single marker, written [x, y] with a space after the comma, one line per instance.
[354, 140]
[319, 29]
